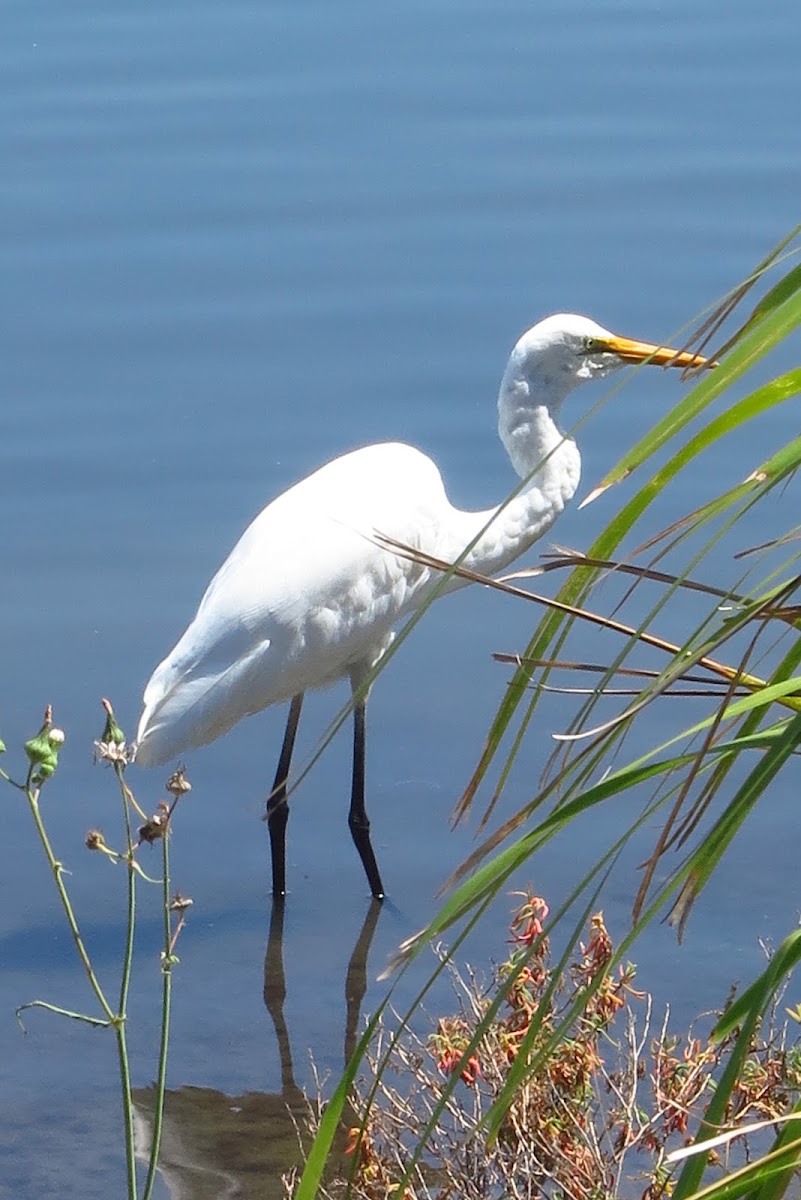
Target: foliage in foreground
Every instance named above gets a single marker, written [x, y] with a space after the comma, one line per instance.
[42, 753]
[723, 627]
[597, 1116]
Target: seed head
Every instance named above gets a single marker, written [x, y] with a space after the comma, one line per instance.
[178, 785]
[153, 829]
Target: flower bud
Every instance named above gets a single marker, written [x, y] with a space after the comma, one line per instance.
[112, 734]
[42, 750]
[39, 749]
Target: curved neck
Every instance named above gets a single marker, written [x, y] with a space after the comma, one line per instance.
[540, 454]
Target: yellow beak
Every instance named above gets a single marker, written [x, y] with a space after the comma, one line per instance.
[660, 356]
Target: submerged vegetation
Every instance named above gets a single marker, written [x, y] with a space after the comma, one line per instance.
[597, 1114]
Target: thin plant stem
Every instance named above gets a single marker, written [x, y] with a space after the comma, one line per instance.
[97, 1022]
[57, 868]
[166, 994]
[125, 982]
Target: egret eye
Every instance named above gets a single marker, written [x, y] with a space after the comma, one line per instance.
[594, 345]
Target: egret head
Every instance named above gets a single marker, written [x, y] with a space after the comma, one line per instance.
[564, 350]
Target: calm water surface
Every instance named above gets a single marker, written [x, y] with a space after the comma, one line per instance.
[238, 240]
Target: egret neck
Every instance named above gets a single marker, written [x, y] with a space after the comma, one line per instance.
[529, 401]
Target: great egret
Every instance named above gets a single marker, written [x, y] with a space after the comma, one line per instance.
[307, 596]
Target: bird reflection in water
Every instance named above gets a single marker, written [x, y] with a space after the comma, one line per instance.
[220, 1147]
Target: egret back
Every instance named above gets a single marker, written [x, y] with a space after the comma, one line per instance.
[305, 597]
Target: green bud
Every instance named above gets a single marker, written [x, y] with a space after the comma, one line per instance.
[42, 750]
[112, 732]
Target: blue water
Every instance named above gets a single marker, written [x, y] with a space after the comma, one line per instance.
[236, 241]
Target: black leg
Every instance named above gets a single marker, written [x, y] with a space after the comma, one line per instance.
[277, 806]
[357, 817]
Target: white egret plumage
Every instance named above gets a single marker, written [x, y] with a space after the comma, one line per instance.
[307, 596]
